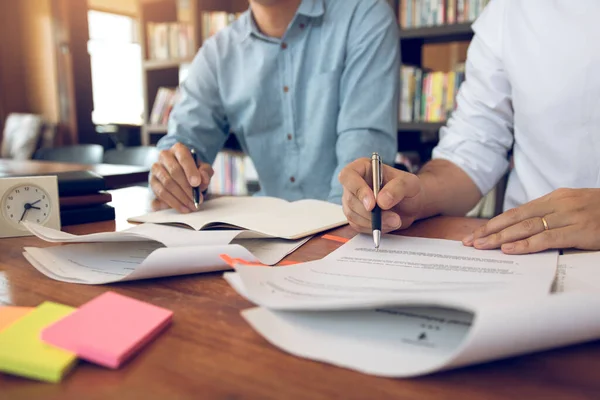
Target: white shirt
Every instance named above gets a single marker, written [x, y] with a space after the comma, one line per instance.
[532, 79]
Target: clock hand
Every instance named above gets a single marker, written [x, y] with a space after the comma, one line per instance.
[35, 208]
[24, 212]
[33, 204]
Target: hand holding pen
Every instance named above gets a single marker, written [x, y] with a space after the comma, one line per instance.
[400, 199]
[175, 175]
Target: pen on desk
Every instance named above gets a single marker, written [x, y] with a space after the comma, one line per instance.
[376, 213]
[196, 190]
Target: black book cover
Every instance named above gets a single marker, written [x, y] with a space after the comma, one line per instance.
[84, 215]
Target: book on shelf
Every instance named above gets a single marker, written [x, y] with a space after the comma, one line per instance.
[422, 13]
[233, 172]
[170, 41]
[214, 21]
[163, 104]
[428, 96]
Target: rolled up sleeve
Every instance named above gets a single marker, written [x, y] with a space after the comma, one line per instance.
[479, 134]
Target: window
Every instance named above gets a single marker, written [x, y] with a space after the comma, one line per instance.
[116, 60]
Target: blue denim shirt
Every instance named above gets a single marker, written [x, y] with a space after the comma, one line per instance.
[302, 107]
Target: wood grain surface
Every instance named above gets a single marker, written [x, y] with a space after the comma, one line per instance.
[209, 352]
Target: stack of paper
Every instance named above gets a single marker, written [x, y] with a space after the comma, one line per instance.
[421, 305]
[148, 251]
[44, 343]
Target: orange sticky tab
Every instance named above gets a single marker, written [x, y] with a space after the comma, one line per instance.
[233, 261]
[336, 238]
[284, 263]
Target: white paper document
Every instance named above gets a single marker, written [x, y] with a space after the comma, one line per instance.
[413, 341]
[265, 216]
[355, 318]
[147, 251]
[404, 271]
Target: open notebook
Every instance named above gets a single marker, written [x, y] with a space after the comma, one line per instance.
[267, 216]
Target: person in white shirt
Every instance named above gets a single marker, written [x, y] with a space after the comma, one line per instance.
[532, 85]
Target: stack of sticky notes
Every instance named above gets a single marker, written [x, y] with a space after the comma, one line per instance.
[44, 343]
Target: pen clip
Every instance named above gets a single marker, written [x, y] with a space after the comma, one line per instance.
[377, 173]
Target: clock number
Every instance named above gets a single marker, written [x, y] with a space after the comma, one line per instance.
[43, 196]
[8, 207]
[38, 220]
[12, 216]
[10, 197]
[27, 188]
[17, 191]
[46, 205]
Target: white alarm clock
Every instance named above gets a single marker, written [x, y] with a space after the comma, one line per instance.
[32, 199]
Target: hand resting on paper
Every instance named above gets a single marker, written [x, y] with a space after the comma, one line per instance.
[401, 197]
[572, 220]
[173, 176]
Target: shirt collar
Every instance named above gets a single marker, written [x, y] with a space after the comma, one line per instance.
[308, 8]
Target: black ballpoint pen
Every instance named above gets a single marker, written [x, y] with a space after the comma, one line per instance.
[196, 190]
[376, 213]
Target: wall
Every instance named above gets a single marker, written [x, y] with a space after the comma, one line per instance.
[40, 58]
[127, 7]
[13, 96]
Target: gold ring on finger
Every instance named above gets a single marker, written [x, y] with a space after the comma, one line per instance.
[545, 224]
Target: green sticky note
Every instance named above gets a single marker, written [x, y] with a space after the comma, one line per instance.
[23, 353]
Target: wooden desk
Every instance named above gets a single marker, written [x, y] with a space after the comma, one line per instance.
[211, 353]
[115, 176]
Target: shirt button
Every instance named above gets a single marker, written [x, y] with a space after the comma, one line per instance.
[289, 136]
[284, 45]
[302, 26]
[286, 89]
[292, 179]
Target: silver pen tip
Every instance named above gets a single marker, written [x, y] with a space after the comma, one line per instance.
[197, 205]
[377, 238]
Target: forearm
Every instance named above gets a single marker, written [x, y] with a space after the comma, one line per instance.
[448, 190]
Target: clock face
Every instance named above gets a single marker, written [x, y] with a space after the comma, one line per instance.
[26, 203]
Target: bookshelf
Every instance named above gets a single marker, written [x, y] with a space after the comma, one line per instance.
[165, 71]
[417, 136]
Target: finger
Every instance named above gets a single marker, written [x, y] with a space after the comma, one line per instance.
[167, 197]
[358, 221]
[171, 164]
[163, 176]
[356, 213]
[355, 179]
[521, 230]
[163, 186]
[190, 171]
[206, 172]
[158, 205]
[535, 208]
[403, 186]
[562, 238]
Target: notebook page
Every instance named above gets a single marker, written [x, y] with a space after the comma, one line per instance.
[295, 220]
[220, 210]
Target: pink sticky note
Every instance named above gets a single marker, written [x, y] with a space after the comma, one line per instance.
[109, 329]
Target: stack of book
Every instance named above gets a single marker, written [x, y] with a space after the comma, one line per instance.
[172, 40]
[83, 198]
[429, 96]
[163, 104]
[214, 21]
[420, 13]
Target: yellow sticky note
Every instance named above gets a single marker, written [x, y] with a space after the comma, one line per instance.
[8, 315]
[23, 353]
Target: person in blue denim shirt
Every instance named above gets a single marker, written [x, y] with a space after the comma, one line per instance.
[306, 86]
